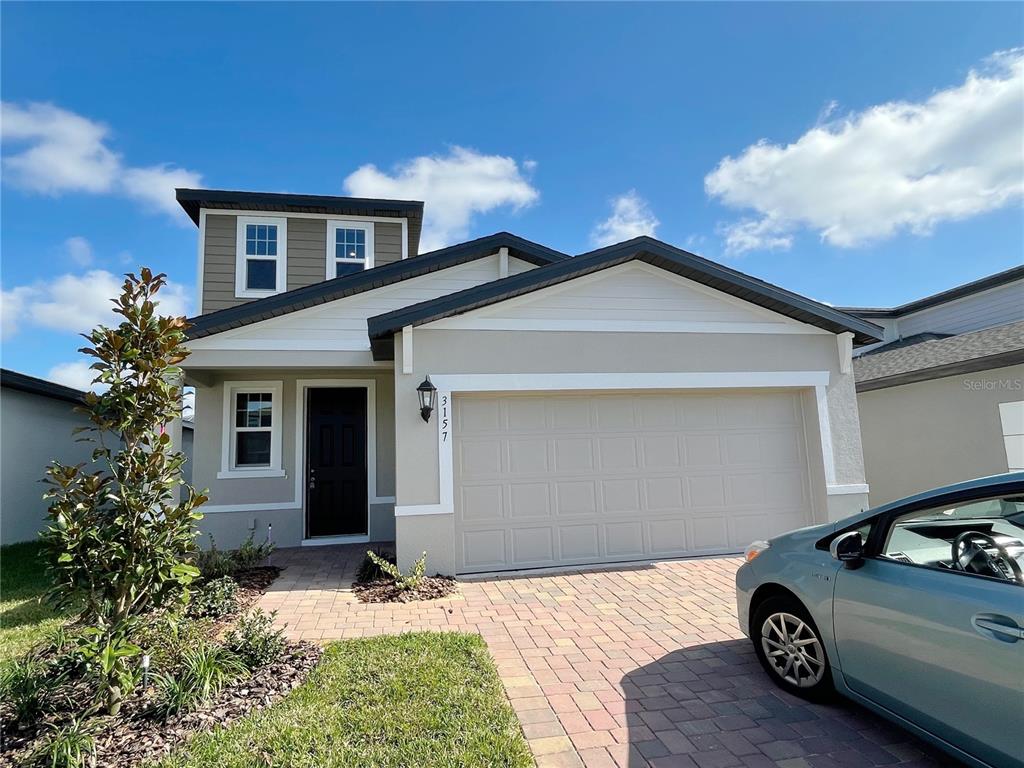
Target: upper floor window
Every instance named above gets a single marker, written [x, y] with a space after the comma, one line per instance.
[261, 256]
[349, 247]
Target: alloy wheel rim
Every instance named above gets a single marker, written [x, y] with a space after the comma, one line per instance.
[793, 650]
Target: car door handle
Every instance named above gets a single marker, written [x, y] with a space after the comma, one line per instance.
[998, 625]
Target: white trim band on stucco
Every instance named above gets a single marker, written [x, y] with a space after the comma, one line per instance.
[842, 490]
[447, 384]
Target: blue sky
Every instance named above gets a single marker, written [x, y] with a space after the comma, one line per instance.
[544, 120]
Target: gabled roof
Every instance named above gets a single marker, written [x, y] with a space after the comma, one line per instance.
[959, 292]
[935, 358]
[348, 285]
[25, 383]
[192, 200]
[383, 327]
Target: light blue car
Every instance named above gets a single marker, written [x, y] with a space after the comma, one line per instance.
[914, 609]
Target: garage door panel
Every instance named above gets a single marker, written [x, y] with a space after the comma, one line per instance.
[702, 450]
[529, 501]
[579, 542]
[621, 495]
[532, 546]
[544, 479]
[575, 497]
[482, 503]
[528, 455]
[617, 453]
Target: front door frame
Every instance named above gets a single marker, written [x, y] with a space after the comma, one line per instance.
[302, 386]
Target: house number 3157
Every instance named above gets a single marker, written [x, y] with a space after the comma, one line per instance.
[444, 418]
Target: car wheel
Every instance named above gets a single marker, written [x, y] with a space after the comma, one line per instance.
[789, 646]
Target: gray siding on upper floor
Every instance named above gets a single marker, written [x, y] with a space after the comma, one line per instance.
[219, 264]
[306, 255]
[387, 242]
[997, 306]
[307, 252]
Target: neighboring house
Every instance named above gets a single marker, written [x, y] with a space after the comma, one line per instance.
[632, 402]
[36, 421]
[942, 398]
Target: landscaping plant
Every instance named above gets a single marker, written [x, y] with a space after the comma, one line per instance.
[122, 529]
[72, 745]
[402, 581]
[204, 670]
[215, 598]
[255, 639]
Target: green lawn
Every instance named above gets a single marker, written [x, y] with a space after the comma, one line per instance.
[423, 699]
[24, 621]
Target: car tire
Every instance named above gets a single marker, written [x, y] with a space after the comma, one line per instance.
[798, 662]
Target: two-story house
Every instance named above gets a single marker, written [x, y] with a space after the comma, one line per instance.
[941, 398]
[498, 403]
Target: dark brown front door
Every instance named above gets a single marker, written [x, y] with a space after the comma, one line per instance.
[336, 464]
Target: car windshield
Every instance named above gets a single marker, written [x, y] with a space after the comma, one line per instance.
[984, 537]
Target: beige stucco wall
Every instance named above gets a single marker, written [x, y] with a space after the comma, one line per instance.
[34, 431]
[462, 351]
[229, 528]
[931, 433]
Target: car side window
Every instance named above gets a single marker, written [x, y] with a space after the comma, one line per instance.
[979, 538]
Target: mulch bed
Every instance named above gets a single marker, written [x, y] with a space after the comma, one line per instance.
[135, 737]
[385, 591]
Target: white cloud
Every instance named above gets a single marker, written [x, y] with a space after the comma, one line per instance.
[454, 187]
[77, 375]
[79, 250]
[154, 186]
[77, 303]
[59, 151]
[12, 310]
[894, 167]
[630, 217]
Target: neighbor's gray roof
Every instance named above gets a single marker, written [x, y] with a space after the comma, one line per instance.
[192, 200]
[932, 358]
[647, 249]
[387, 274]
[25, 383]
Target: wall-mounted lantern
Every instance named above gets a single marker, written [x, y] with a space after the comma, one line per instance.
[428, 398]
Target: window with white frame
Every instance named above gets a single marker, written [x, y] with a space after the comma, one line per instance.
[252, 429]
[261, 256]
[349, 247]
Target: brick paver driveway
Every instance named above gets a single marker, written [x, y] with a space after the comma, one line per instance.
[630, 667]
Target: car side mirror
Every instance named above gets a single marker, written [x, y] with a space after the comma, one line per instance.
[848, 548]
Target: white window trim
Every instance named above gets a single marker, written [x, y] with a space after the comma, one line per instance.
[281, 281]
[335, 224]
[227, 468]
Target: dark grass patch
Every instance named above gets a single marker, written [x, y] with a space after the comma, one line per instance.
[419, 699]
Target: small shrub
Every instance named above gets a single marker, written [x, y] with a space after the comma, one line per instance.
[215, 598]
[369, 570]
[68, 746]
[402, 581]
[165, 636]
[27, 687]
[214, 563]
[205, 669]
[251, 555]
[255, 639]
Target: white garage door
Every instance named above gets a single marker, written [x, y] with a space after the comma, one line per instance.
[549, 479]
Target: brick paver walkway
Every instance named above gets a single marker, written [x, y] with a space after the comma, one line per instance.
[630, 667]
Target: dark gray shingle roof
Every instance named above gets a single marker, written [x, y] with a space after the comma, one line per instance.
[933, 358]
[25, 383]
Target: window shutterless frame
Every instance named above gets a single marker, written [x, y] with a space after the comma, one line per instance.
[231, 430]
[347, 248]
[261, 243]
